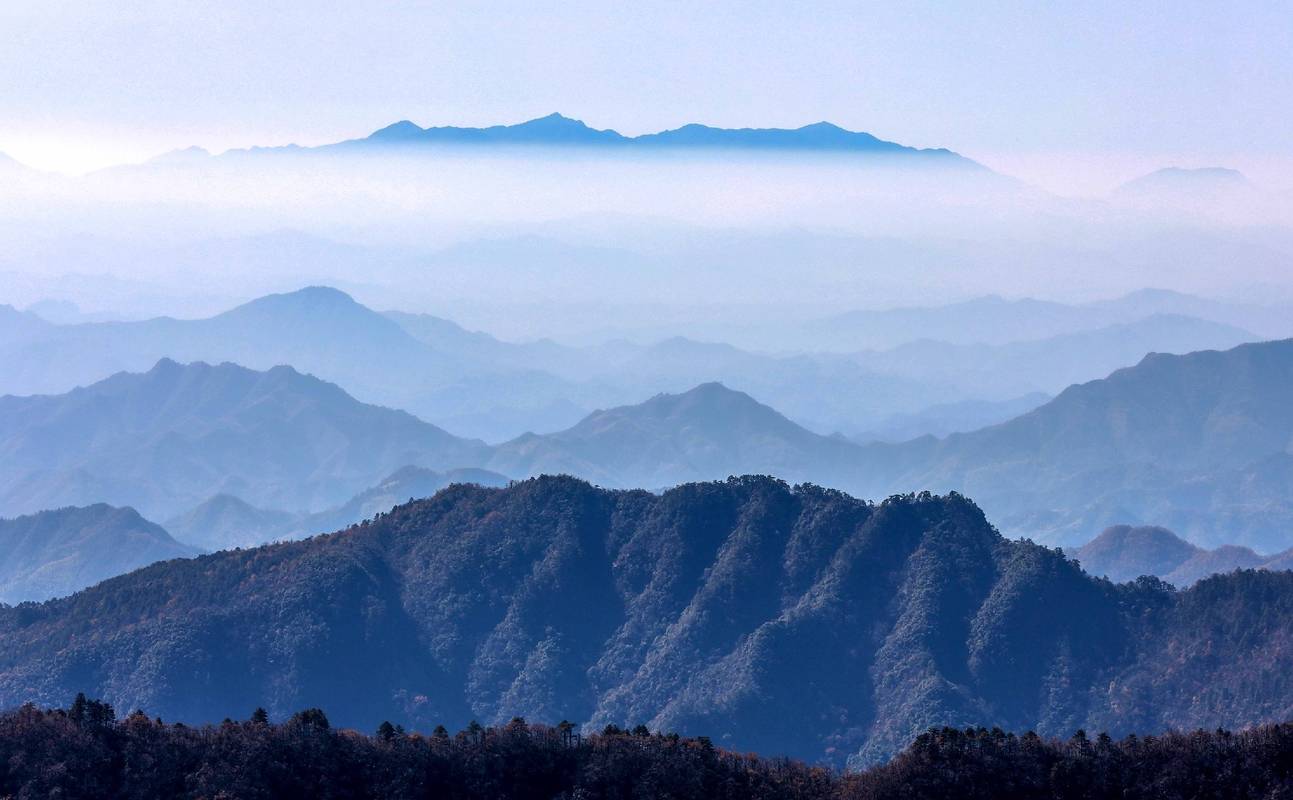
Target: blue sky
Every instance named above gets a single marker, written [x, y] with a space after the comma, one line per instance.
[1025, 85]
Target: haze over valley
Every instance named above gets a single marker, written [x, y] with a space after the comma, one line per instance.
[589, 401]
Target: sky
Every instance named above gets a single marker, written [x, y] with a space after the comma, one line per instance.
[1057, 92]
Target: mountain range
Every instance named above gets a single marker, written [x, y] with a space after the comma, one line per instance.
[57, 552]
[1196, 442]
[481, 387]
[559, 131]
[797, 621]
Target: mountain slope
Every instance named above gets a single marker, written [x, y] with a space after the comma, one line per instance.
[165, 440]
[796, 621]
[1197, 443]
[55, 553]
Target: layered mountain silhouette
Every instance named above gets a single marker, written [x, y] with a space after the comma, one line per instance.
[797, 621]
[475, 385]
[58, 552]
[1196, 443]
[1123, 553]
[165, 440]
[556, 130]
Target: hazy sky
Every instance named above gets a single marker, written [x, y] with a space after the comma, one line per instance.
[1036, 88]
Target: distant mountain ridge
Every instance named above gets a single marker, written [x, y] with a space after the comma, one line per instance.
[556, 130]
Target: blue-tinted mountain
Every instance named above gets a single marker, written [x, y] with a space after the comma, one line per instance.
[1052, 364]
[556, 130]
[1179, 179]
[1124, 553]
[165, 440]
[705, 433]
[792, 621]
[1197, 443]
[56, 553]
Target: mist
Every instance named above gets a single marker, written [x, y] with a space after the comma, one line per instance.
[562, 242]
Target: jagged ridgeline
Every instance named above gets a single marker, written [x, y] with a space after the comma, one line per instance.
[788, 621]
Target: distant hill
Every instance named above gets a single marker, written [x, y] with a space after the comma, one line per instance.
[706, 433]
[1051, 364]
[792, 621]
[998, 321]
[165, 440]
[224, 521]
[943, 419]
[56, 553]
[1123, 553]
[1182, 179]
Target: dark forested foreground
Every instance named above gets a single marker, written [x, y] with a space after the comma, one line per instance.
[84, 752]
[795, 621]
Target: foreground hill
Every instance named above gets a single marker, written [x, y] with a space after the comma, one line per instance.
[167, 439]
[55, 553]
[796, 621]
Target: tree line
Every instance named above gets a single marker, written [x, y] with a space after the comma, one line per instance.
[86, 751]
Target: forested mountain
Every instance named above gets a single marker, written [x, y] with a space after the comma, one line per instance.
[167, 439]
[799, 621]
[58, 552]
[1196, 443]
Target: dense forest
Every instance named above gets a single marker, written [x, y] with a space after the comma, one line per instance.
[85, 752]
[794, 621]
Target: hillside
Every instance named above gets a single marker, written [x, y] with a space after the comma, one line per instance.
[55, 553]
[800, 621]
[165, 440]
